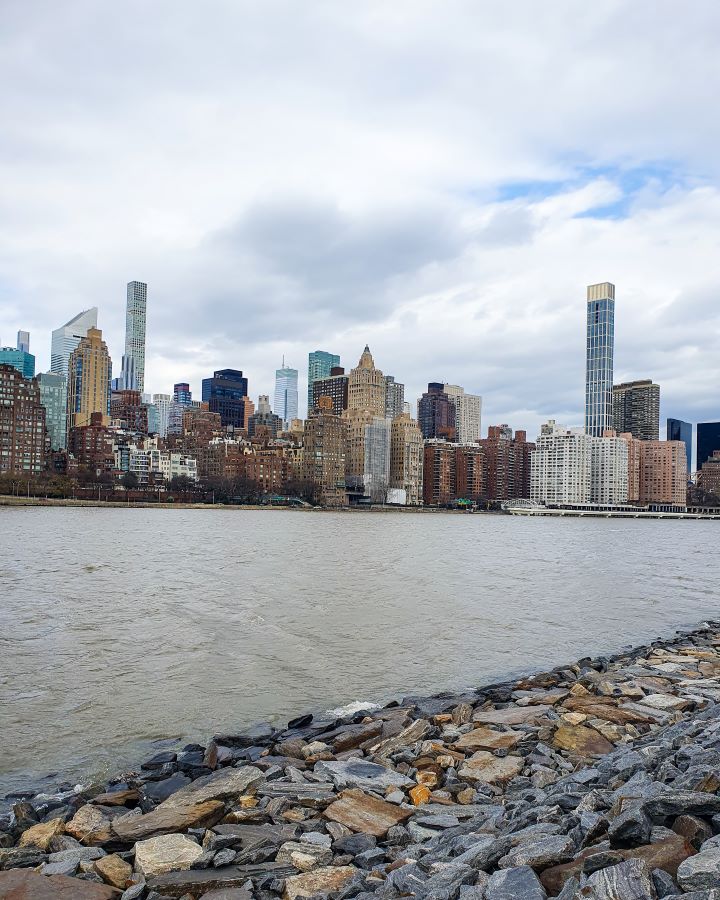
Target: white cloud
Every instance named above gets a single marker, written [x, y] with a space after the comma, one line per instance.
[291, 177]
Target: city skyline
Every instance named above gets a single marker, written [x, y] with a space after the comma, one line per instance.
[450, 225]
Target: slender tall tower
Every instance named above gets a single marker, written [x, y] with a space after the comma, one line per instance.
[89, 377]
[134, 360]
[286, 393]
[66, 338]
[599, 368]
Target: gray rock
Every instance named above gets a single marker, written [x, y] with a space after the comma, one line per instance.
[361, 774]
[540, 853]
[572, 886]
[484, 852]
[664, 885]
[515, 884]
[161, 790]
[631, 828]
[676, 803]
[82, 854]
[134, 892]
[357, 843]
[68, 868]
[224, 858]
[629, 880]
[700, 872]
[445, 884]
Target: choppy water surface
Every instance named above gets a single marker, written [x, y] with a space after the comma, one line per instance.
[119, 627]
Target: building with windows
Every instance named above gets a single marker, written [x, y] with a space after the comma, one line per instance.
[439, 474]
[19, 359]
[468, 414]
[226, 393]
[406, 459]
[376, 475]
[66, 338]
[561, 466]
[636, 409]
[53, 396]
[286, 393]
[708, 441]
[23, 341]
[609, 471]
[323, 458]
[599, 358]
[335, 386]
[89, 378]
[135, 322]
[709, 475]
[320, 364]
[677, 430]
[366, 386]
[436, 414]
[263, 420]
[507, 464]
[23, 437]
[182, 393]
[92, 444]
[152, 465]
[663, 473]
[394, 397]
[128, 412]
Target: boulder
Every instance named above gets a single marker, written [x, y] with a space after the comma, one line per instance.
[700, 872]
[226, 784]
[512, 715]
[361, 774]
[540, 853]
[164, 820]
[362, 813]
[114, 871]
[304, 855]
[167, 853]
[40, 835]
[89, 825]
[489, 769]
[21, 884]
[515, 884]
[581, 740]
[320, 881]
[488, 739]
[197, 882]
[630, 880]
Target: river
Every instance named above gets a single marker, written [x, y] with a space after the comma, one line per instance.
[123, 627]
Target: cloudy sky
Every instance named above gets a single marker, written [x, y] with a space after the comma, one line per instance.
[438, 178]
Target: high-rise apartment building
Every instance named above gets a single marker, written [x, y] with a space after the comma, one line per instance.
[323, 459]
[23, 341]
[53, 396]
[663, 473]
[468, 412]
[470, 471]
[320, 362]
[636, 409]
[436, 414]
[599, 358]
[128, 412]
[286, 393]
[677, 430]
[163, 404]
[406, 459]
[66, 338]
[708, 441]
[23, 361]
[394, 397]
[366, 386]
[135, 322]
[335, 386]
[182, 393]
[89, 377]
[439, 474]
[226, 393]
[507, 464]
[376, 476]
[609, 471]
[264, 421]
[92, 444]
[709, 475]
[561, 467]
[23, 439]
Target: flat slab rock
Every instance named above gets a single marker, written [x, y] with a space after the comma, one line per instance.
[361, 774]
[22, 884]
[487, 739]
[512, 715]
[488, 769]
[515, 884]
[227, 784]
[167, 853]
[361, 813]
[320, 881]
[581, 740]
[197, 882]
[166, 820]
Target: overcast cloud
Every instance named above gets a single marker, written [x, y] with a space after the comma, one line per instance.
[438, 179]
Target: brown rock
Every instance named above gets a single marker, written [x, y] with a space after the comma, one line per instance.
[488, 739]
[666, 855]
[581, 740]
[89, 825]
[167, 853]
[420, 794]
[114, 871]
[362, 813]
[321, 881]
[118, 798]
[512, 715]
[416, 731]
[165, 821]
[693, 829]
[483, 766]
[211, 755]
[462, 714]
[40, 835]
[22, 884]
[226, 784]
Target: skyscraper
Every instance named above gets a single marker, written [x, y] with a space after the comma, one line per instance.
[335, 386]
[320, 362]
[394, 397]
[599, 354]
[24, 362]
[436, 413]
[135, 319]
[366, 386]
[89, 377]
[53, 396]
[22, 424]
[23, 341]
[286, 393]
[468, 408]
[708, 441]
[227, 393]
[66, 338]
[677, 430]
[636, 409]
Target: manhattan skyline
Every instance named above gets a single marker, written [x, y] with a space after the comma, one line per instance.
[451, 219]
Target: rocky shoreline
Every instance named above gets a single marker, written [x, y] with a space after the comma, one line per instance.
[598, 780]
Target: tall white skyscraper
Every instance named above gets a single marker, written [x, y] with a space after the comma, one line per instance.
[599, 350]
[66, 338]
[286, 393]
[468, 411]
[135, 319]
[23, 341]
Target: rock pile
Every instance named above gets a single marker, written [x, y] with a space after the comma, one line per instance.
[595, 781]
